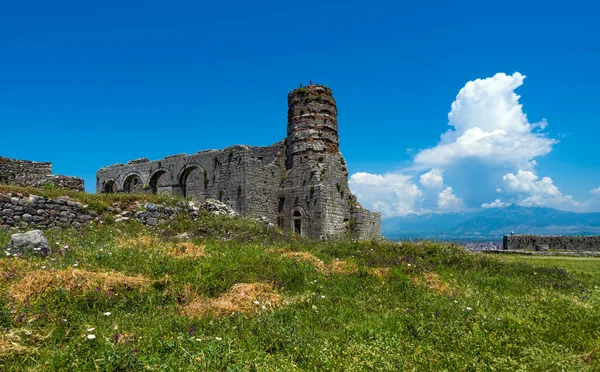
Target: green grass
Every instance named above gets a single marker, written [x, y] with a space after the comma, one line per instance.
[424, 306]
[587, 265]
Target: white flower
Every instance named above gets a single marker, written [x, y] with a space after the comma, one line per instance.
[43, 267]
[75, 264]
[455, 301]
[107, 313]
[264, 307]
[27, 333]
[91, 337]
[256, 302]
[198, 339]
[90, 329]
[468, 308]
[409, 265]
[218, 338]
[322, 296]
[314, 281]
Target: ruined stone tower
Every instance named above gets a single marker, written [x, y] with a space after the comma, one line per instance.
[300, 183]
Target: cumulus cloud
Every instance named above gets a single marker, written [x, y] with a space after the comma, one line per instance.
[497, 203]
[391, 194]
[490, 148]
[432, 179]
[488, 123]
[448, 201]
[534, 192]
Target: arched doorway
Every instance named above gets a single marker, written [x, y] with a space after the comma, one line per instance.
[109, 187]
[297, 221]
[160, 182]
[192, 181]
[132, 184]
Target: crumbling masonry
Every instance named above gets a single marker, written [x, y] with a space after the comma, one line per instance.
[300, 183]
[26, 173]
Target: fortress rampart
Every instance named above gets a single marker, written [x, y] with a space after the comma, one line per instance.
[26, 173]
[552, 243]
[300, 183]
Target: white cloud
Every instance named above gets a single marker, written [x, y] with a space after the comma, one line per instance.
[488, 123]
[491, 148]
[432, 179]
[527, 182]
[448, 201]
[497, 203]
[391, 194]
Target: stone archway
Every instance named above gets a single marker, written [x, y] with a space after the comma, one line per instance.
[109, 187]
[161, 182]
[133, 184]
[191, 180]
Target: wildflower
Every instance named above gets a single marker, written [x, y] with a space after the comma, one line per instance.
[75, 264]
[264, 307]
[468, 308]
[409, 265]
[436, 314]
[198, 339]
[408, 311]
[116, 338]
[107, 313]
[256, 302]
[90, 329]
[322, 296]
[27, 333]
[191, 330]
[8, 329]
[43, 267]
[314, 281]
[91, 337]
[63, 320]
[218, 338]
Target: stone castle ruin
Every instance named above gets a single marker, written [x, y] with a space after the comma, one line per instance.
[26, 173]
[551, 243]
[300, 183]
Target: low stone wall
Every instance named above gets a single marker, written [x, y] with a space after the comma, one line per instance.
[31, 211]
[39, 212]
[26, 173]
[554, 243]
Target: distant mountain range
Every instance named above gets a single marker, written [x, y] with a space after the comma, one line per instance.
[492, 224]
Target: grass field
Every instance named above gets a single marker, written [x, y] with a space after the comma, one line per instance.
[587, 265]
[237, 295]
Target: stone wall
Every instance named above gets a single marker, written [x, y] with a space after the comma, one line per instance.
[555, 243]
[40, 212]
[26, 173]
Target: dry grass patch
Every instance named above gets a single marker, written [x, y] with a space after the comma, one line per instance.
[336, 267]
[9, 344]
[174, 249]
[40, 281]
[242, 297]
[432, 281]
[380, 272]
[11, 267]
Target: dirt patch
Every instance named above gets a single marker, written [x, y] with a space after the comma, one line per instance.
[336, 267]
[174, 249]
[432, 281]
[242, 297]
[37, 282]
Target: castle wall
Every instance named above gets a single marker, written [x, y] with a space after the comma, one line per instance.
[300, 183]
[240, 176]
[26, 173]
[556, 243]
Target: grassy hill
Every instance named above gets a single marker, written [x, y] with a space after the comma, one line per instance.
[233, 294]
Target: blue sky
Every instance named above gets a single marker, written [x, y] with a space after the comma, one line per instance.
[85, 86]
